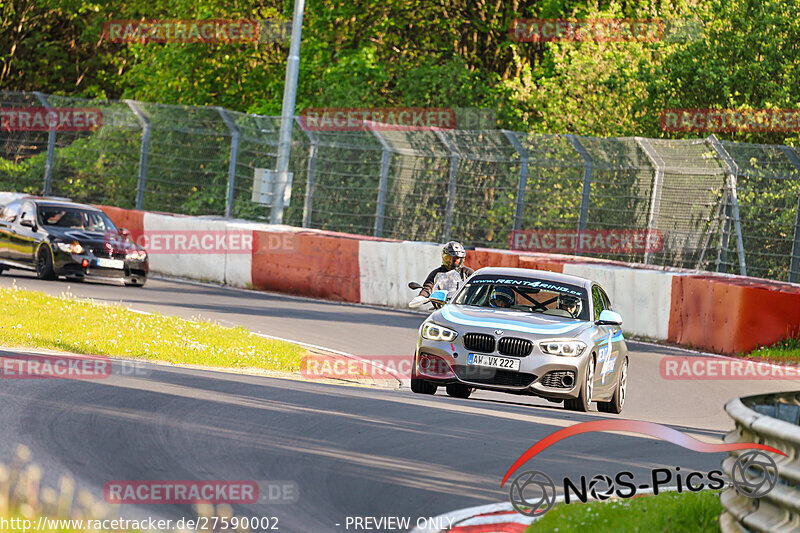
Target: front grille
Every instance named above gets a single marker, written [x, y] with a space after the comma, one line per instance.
[514, 346]
[102, 251]
[479, 342]
[491, 376]
[555, 379]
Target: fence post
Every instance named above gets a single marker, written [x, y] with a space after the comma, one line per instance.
[655, 193]
[455, 159]
[145, 122]
[524, 159]
[51, 147]
[386, 154]
[588, 162]
[308, 201]
[234, 156]
[794, 267]
[733, 172]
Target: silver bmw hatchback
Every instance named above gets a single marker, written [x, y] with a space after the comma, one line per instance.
[525, 331]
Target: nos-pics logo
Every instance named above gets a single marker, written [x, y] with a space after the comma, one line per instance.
[533, 493]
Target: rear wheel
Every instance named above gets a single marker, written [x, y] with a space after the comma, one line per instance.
[620, 392]
[584, 400]
[136, 283]
[458, 390]
[44, 263]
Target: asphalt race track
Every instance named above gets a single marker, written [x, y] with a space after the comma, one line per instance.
[351, 451]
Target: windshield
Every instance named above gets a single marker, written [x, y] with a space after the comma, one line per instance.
[75, 218]
[526, 294]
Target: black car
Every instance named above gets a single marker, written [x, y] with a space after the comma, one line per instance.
[61, 238]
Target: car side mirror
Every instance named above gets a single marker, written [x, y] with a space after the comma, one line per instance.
[609, 318]
[125, 232]
[438, 297]
[28, 223]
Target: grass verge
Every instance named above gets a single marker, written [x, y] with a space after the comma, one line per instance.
[34, 319]
[690, 512]
[785, 350]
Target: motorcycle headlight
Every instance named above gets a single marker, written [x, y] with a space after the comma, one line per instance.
[137, 255]
[70, 247]
[565, 348]
[434, 332]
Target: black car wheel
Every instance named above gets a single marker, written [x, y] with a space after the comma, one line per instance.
[134, 283]
[420, 386]
[44, 263]
[584, 400]
[620, 393]
[458, 390]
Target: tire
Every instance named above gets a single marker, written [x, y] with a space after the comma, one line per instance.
[584, 400]
[420, 386]
[458, 390]
[44, 263]
[620, 393]
[134, 284]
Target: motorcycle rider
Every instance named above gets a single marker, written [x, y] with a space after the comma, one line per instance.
[453, 254]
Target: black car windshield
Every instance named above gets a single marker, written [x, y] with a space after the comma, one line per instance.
[526, 294]
[61, 216]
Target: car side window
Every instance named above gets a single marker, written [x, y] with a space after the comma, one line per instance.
[597, 301]
[10, 211]
[606, 301]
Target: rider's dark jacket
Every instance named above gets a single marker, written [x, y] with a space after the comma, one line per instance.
[427, 287]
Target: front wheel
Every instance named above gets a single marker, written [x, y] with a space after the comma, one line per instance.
[44, 264]
[620, 392]
[584, 400]
[458, 390]
[420, 386]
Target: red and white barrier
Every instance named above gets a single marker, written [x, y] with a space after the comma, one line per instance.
[719, 313]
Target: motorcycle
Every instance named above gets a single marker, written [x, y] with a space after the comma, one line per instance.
[444, 281]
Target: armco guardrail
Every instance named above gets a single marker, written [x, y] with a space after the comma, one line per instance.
[656, 302]
[770, 419]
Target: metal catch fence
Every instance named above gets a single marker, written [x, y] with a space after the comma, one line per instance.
[721, 206]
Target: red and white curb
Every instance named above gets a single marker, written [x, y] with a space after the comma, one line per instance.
[497, 517]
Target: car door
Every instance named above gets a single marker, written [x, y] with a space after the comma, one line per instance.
[611, 347]
[23, 238]
[7, 217]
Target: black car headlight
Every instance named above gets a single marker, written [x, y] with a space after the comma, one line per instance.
[435, 332]
[70, 247]
[569, 348]
[136, 255]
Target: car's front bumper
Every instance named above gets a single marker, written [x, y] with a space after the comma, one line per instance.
[548, 376]
[72, 265]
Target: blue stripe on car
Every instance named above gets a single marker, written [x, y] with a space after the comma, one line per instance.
[452, 314]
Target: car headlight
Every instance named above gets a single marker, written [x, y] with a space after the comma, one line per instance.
[565, 348]
[70, 247]
[434, 332]
[137, 255]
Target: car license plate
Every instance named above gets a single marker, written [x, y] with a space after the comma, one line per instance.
[492, 361]
[110, 263]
